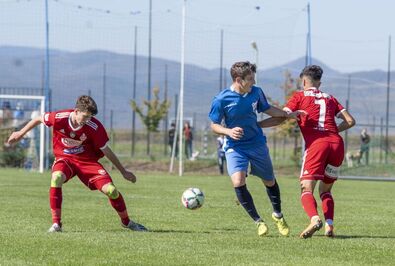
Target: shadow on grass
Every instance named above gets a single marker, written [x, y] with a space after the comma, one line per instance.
[362, 236]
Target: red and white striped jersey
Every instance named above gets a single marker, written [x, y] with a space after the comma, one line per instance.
[319, 124]
[84, 142]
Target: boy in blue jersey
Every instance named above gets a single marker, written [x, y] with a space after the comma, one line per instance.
[245, 142]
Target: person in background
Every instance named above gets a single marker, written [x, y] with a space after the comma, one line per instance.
[365, 145]
[188, 136]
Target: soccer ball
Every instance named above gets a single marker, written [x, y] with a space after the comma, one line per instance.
[192, 198]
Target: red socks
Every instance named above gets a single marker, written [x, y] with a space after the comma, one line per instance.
[328, 205]
[309, 204]
[119, 205]
[55, 202]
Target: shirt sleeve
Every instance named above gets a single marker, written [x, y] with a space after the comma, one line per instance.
[293, 102]
[216, 113]
[100, 137]
[338, 106]
[49, 119]
[263, 104]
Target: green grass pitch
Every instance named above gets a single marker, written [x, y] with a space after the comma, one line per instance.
[219, 233]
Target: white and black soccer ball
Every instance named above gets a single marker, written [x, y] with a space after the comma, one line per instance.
[192, 198]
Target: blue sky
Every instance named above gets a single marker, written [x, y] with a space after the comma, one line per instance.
[347, 35]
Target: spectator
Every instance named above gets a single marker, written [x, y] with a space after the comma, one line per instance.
[172, 134]
[188, 140]
[365, 143]
[5, 114]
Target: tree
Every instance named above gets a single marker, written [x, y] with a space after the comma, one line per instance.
[156, 110]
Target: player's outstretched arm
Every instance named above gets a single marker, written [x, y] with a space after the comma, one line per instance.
[348, 121]
[18, 135]
[271, 122]
[114, 159]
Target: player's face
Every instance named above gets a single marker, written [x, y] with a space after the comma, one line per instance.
[246, 83]
[81, 118]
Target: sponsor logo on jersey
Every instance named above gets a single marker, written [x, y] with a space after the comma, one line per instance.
[102, 172]
[230, 105]
[71, 142]
[75, 150]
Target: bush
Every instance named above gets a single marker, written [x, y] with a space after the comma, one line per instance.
[13, 156]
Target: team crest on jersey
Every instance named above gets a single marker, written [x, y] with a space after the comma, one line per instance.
[62, 131]
[254, 105]
[102, 172]
[83, 137]
[72, 134]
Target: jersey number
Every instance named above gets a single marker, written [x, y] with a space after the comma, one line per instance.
[321, 119]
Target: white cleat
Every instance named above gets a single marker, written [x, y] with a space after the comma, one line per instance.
[135, 226]
[55, 228]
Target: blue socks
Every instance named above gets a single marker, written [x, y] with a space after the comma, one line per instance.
[245, 199]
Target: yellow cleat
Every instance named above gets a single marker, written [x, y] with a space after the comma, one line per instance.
[262, 228]
[282, 225]
[313, 227]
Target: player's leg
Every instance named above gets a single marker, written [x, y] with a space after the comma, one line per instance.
[335, 159]
[118, 203]
[237, 165]
[261, 166]
[328, 207]
[313, 165]
[61, 172]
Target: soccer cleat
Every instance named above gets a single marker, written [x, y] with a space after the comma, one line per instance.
[313, 227]
[281, 224]
[262, 228]
[55, 228]
[135, 226]
[329, 230]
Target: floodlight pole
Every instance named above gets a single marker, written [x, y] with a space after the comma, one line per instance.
[46, 86]
[134, 93]
[149, 71]
[388, 100]
[221, 60]
[181, 100]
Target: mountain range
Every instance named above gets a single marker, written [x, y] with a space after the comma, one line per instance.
[76, 73]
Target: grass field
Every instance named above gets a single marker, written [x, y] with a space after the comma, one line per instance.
[219, 233]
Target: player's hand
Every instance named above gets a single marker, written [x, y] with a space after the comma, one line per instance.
[236, 133]
[129, 176]
[15, 137]
[297, 114]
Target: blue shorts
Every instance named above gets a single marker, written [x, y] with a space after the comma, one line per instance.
[261, 165]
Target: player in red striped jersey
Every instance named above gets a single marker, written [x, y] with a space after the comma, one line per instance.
[79, 141]
[324, 148]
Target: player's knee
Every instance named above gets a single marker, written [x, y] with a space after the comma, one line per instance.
[112, 192]
[57, 179]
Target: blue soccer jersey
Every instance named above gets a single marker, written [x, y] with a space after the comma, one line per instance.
[240, 111]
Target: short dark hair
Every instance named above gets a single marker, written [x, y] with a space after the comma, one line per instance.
[85, 103]
[313, 72]
[242, 69]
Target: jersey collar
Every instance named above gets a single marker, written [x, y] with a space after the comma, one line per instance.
[71, 124]
[233, 89]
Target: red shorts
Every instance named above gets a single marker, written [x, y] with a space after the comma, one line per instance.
[92, 174]
[321, 161]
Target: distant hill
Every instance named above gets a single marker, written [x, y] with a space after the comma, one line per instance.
[73, 74]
